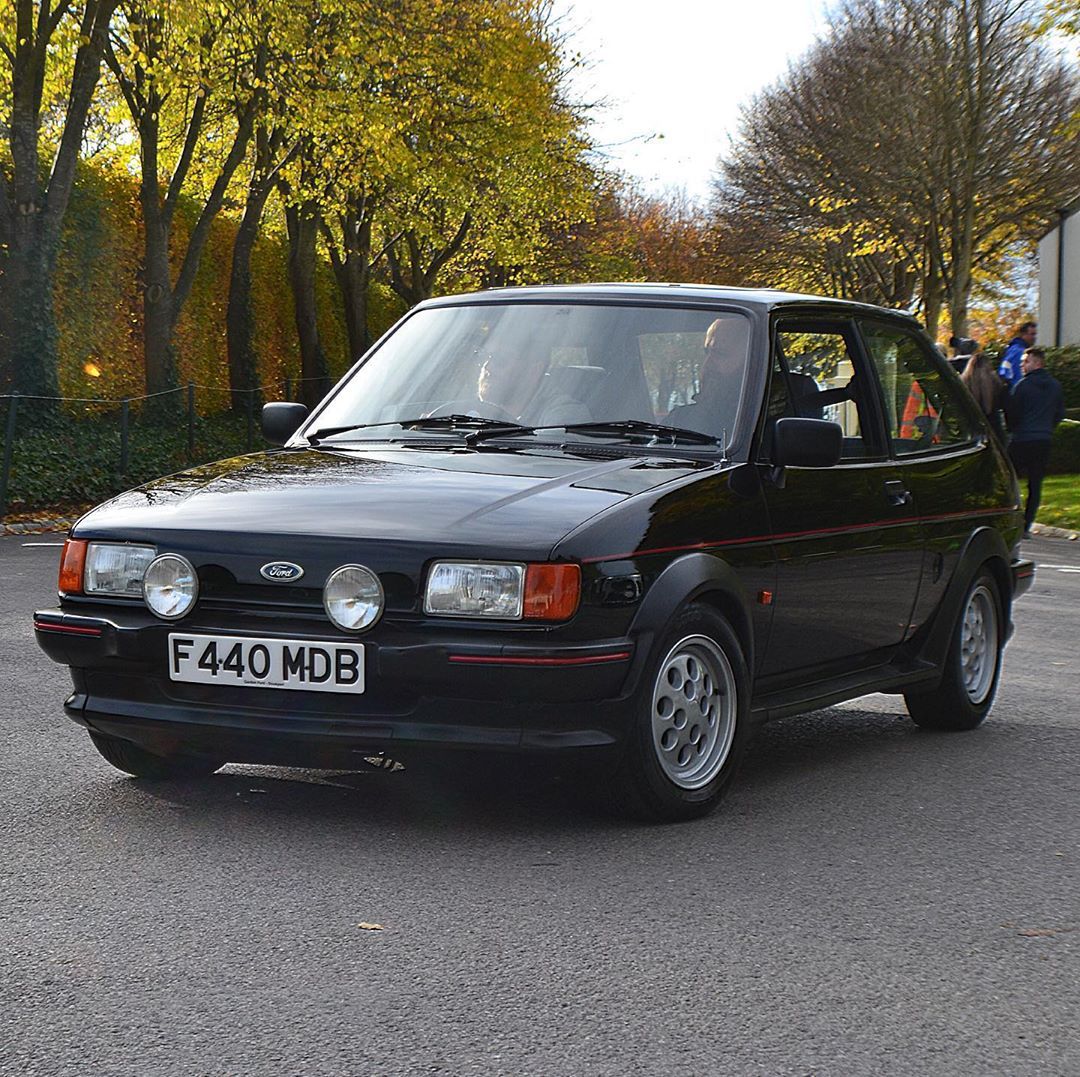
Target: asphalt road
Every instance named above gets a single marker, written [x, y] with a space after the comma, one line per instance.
[870, 899]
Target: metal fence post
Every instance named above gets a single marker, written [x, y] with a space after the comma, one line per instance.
[9, 444]
[124, 408]
[191, 421]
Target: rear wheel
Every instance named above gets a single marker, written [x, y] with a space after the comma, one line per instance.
[142, 763]
[966, 692]
[690, 726]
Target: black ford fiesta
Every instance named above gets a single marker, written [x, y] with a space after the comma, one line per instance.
[628, 521]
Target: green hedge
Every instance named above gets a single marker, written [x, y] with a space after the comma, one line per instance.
[61, 463]
[98, 301]
[1064, 364]
[1065, 449]
[70, 456]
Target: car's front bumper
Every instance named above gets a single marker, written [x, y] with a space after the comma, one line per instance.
[426, 688]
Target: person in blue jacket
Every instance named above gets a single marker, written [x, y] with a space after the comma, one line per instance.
[1034, 407]
[1009, 371]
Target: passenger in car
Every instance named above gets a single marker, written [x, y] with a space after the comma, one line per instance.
[714, 408]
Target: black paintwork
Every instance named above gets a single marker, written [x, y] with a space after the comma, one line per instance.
[833, 585]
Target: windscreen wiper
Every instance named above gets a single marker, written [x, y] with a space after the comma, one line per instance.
[478, 424]
[640, 426]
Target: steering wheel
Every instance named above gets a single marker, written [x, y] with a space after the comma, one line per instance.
[482, 409]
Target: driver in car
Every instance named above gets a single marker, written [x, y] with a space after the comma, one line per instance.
[518, 386]
[722, 370]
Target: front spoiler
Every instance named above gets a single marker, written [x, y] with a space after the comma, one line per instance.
[501, 692]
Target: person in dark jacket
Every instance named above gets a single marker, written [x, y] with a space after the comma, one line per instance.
[1034, 407]
[1010, 371]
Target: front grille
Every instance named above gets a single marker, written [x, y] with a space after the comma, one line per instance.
[219, 589]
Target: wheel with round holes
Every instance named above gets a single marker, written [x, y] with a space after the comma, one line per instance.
[690, 725]
[972, 667]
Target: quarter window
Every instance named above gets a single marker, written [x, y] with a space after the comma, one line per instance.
[924, 412]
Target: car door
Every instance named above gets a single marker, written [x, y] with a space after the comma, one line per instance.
[942, 452]
[847, 538]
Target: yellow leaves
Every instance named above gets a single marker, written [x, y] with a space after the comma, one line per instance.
[827, 204]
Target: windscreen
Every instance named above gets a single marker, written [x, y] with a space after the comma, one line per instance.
[553, 365]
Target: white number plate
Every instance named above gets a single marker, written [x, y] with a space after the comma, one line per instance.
[302, 664]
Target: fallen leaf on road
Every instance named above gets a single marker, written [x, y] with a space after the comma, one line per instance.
[1043, 932]
[369, 927]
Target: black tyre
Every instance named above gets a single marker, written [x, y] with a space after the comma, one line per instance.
[141, 763]
[690, 726]
[972, 667]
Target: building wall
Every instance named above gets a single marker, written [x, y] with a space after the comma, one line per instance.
[1049, 248]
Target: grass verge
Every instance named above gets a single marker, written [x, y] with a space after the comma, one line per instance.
[1060, 505]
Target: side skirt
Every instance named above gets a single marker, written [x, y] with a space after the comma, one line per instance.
[888, 679]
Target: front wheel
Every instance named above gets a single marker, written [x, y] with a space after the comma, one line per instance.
[972, 667]
[137, 761]
[691, 724]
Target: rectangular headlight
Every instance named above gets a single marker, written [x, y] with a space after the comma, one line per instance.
[114, 568]
[466, 589]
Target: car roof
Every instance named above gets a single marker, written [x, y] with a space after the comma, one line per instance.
[761, 298]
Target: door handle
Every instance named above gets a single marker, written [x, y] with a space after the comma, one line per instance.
[896, 493]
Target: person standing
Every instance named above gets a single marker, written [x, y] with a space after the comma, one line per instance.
[1009, 371]
[1034, 407]
[963, 349]
[988, 390]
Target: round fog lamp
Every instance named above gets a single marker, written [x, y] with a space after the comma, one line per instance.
[353, 597]
[170, 586]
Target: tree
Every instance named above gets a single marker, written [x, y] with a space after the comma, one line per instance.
[500, 168]
[186, 70]
[271, 154]
[910, 151]
[51, 55]
[426, 128]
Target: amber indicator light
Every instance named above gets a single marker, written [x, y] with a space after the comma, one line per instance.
[72, 560]
[552, 592]
[765, 597]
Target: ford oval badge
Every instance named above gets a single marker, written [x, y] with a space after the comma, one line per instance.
[281, 571]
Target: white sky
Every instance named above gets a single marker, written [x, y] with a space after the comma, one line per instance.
[680, 69]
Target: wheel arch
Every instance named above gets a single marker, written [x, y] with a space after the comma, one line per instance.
[985, 547]
[694, 577]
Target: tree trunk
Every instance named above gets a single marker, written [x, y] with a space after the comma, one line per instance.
[162, 299]
[352, 270]
[418, 282]
[240, 316]
[353, 281]
[158, 314]
[932, 295]
[302, 225]
[33, 204]
[960, 292]
[28, 336]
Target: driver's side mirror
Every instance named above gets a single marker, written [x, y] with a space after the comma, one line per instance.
[280, 420]
[806, 443]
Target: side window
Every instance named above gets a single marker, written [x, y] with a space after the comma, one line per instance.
[814, 378]
[923, 411]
